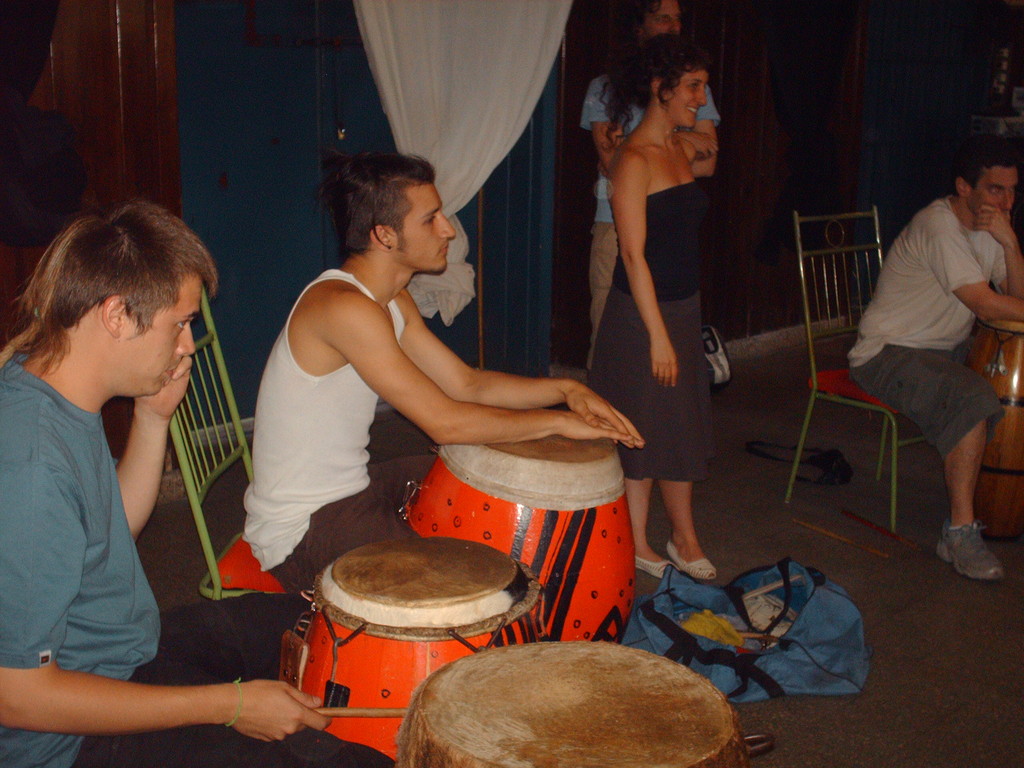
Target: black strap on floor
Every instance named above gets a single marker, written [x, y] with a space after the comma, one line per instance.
[835, 469]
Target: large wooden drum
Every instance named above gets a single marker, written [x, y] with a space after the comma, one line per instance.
[388, 614]
[998, 355]
[569, 705]
[557, 505]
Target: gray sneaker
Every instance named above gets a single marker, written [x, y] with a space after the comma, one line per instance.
[964, 548]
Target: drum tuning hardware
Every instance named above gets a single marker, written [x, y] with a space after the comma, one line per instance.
[998, 364]
[759, 743]
[454, 635]
[302, 623]
[412, 491]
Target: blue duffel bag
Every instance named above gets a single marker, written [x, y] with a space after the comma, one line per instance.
[810, 642]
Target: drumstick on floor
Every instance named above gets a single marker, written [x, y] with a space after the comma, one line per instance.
[844, 539]
[361, 711]
[880, 529]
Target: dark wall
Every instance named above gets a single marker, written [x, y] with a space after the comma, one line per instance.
[913, 72]
[928, 71]
[264, 86]
[110, 71]
[741, 294]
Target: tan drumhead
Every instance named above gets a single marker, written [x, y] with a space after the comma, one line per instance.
[1010, 326]
[570, 704]
[560, 449]
[421, 582]
[553, 473]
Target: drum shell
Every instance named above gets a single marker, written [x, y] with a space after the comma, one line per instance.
[383, 665]
[999, 494]
[582, 555]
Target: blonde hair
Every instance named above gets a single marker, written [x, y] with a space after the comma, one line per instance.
[138, 251]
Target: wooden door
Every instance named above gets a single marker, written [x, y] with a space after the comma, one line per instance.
[111, 73]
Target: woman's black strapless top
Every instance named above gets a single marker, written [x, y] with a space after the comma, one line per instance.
[673, 244]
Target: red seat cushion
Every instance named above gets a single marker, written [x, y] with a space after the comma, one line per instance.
[239, 569]
[838, 382]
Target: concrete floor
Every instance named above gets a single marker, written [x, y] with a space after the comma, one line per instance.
[946, 686]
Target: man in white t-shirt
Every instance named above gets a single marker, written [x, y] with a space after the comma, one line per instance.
[937, 278]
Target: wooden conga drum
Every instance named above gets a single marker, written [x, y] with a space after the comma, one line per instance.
[388, 614]
[569, 705]
[557, 505]
[998, 355]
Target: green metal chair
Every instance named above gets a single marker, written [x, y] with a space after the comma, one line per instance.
[836, 283]
[208, 439]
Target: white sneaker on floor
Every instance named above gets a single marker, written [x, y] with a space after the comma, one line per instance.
[964, 548]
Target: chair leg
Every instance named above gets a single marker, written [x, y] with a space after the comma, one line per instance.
[881, 449]
[800, 445]
[893, 476]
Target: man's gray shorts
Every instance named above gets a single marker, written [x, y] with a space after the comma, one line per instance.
[932, 388]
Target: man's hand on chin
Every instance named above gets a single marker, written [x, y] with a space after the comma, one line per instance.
[163, 403]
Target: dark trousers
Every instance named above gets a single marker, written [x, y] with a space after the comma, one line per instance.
[217, 642]
[368, 516]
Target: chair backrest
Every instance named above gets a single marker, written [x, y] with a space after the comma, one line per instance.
[207, 432]
[839, 256]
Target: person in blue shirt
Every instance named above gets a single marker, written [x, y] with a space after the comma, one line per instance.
[87, 678]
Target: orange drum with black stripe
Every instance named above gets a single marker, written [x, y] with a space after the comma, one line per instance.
[998, 356]
[388, 614]
[558, 506]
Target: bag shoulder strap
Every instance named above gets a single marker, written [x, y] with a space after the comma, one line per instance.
[685, 649]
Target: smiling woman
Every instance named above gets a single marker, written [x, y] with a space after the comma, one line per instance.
[648, 356]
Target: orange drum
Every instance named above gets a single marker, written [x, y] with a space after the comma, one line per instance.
[558, 506]
[998, 355]
[388, 614]
[569, 705]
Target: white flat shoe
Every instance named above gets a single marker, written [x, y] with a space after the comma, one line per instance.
[655, 568]
[701, 569]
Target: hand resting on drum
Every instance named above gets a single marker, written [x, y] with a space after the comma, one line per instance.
[599, 413]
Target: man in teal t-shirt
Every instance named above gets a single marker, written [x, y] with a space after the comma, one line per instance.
[83, 681]
[91, 608]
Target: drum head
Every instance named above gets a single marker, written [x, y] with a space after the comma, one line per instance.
[552, 473]
[429, 582]
[558, 448]
[570, 704]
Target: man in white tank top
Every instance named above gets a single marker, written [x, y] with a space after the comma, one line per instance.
[355, 335]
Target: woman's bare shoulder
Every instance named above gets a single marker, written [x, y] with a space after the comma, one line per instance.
[631, 158]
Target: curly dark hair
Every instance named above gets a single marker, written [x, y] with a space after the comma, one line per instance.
[664, 57]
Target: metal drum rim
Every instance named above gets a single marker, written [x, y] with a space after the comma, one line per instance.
[1006, 326]
[430, 634]
[469, 463]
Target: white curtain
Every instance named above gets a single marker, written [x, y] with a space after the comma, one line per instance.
[459, 80]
